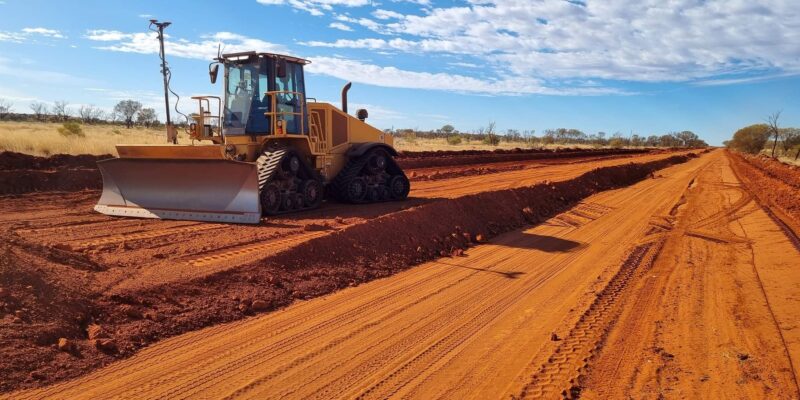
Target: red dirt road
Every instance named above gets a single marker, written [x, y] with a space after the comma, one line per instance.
[675, 287]
[140, 253]
[64, 267]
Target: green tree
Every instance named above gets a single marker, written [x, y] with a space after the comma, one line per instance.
[491, 137]
[146, 117]
[750, 139]
[127, 109]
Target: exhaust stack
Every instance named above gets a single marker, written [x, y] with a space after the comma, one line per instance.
[344, 95]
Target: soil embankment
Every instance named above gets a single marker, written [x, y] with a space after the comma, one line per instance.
[22, 173]
[132, 282]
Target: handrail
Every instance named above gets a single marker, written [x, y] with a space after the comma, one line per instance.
[275, 113]
[205, 113]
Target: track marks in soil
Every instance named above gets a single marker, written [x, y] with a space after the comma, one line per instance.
[103, 241]
[559, 376]
[701, 323]
[147, 264]
[242, 252]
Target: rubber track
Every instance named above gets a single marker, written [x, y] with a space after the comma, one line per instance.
[350, 171]
[268, 163]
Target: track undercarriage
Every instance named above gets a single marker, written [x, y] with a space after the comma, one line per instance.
[287, 183]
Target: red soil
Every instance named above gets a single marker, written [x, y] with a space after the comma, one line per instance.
[52, 292]
[22, 173]
[775, 185]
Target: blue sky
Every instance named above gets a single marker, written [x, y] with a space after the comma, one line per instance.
[647, 67]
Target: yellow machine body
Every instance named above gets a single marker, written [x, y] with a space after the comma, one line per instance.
[217, 178]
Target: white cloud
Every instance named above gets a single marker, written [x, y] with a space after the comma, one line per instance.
[733, 81]
[44, 32]
[13, 37]
[316, 7]
[371, 74]
[386, 14]
[649, 40]
[338, 67]
[340, 26]
[30, 34]
[463, 64]
[205, 49]
[106, 35]
[365, 22]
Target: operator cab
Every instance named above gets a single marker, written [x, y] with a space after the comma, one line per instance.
[264, 94]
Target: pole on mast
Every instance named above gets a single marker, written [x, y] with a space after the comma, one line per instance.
[171, 132]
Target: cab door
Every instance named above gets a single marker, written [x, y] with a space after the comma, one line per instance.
[291, 99]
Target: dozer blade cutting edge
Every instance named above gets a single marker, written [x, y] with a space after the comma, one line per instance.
[199, 190]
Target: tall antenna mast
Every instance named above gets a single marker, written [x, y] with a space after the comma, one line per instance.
[171, 136]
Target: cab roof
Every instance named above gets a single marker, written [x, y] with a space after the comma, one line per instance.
[268, 55]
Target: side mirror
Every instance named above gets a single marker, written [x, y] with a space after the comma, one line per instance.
[281, 70]
[213, 70]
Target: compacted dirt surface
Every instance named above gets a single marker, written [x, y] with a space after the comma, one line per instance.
[602, 276]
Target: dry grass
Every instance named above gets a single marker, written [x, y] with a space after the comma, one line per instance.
[43, 139]
[790, 160]
[419, 144]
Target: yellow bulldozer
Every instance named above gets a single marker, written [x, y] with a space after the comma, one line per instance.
[264, 148]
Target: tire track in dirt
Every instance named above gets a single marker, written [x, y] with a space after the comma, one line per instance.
[139, 264]
[415, 325]
[560, 374]
[703, 300]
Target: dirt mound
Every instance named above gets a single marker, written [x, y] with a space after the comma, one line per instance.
[38, 306]
[14, 161]
[22, 173]
[788, 174]
[774, 184]
[428, 159]
[440, 228]
[26, 181]
[358, 253]
[445, 153]
[447, 174]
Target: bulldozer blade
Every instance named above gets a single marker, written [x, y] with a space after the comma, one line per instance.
[198, 190]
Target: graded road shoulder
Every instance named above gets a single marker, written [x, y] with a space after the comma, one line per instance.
[478, 326]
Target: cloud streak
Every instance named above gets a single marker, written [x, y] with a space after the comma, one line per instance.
[645, 41]
[30, 35]
[338, 67]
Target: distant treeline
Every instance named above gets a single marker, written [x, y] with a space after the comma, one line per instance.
[127, 112]
[768, 137]
[488, 135]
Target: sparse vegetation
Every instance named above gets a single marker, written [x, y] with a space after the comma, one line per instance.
[486, 138]
[5, 108]
[490, 137]
[126, 110]
[71, 129]
[39, 110]
[750, 139]
[43, 139]
[60, 110]
[769, 139]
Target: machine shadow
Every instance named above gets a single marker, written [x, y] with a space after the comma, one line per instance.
[506, 274]
[331, 208]
[548, 244]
